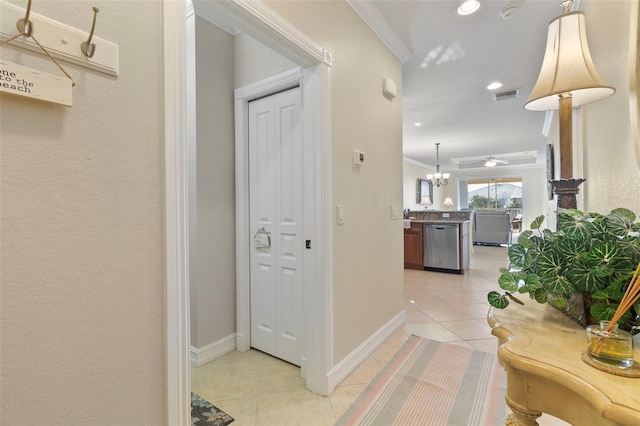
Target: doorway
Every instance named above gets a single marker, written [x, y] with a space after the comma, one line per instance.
[312, 261]
[260, 22]
[277, 224]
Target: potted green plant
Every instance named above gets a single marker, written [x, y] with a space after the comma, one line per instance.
[590, 258]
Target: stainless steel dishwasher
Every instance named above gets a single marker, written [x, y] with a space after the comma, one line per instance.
[442, 246]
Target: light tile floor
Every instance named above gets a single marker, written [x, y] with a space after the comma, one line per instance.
[259, 390]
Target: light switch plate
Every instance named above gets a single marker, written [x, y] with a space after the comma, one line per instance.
[340, 214]
[395, 212]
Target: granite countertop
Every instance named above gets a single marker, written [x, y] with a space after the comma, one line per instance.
[442, 221]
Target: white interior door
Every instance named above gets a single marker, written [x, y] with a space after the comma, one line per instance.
[276, 212]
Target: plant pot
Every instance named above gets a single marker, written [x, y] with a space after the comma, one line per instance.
[579, 309]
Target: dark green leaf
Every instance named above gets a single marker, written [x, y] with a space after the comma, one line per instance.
[604, 259]
[605, 311]
[631, 216]
[574, 226]
[509, 281]
[630, 245]
[612, 293]
[585, 278]
[524, 238]
[550, 265]
[497, 300]
[618, 225]
[559, 302]
[559, 285]
[518, 255]
[600, 295]
[540, 295]
[537, 222]
[531, 283]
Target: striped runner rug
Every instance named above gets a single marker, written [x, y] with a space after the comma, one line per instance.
[433, 384]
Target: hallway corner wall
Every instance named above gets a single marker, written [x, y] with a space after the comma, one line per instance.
[212, 280]
[82, 232]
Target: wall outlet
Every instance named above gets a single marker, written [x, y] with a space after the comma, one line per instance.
[358, 158]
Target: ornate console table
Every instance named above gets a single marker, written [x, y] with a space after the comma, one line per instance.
[540, 349]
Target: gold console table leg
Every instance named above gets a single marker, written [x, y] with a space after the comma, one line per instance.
[520, 416]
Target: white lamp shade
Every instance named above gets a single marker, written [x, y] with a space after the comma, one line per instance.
[567, 67]
[448, 202]
[490, 163]
[429, 176]
[446, 175]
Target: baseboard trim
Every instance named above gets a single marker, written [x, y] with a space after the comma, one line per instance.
[205, 354]
[362, 352]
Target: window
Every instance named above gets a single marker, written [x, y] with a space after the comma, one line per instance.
[492, 194]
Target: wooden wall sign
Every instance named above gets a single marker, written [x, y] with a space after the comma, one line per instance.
[31, 83]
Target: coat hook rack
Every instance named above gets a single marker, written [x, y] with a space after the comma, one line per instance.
[60, 40]
[87, 47]
[25, 25]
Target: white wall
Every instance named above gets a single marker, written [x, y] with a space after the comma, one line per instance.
[212, 280]
[611, 168]
[82, 232]
[254, 61]
[411, 172]
[368, 248]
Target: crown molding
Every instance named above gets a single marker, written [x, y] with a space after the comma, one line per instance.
[417, 163]
[370, 14]
[261, 22]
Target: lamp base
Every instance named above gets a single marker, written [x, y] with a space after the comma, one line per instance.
[567, 189]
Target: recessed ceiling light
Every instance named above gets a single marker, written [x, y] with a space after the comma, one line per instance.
[495, 85]
[468, 7]
[417, 124]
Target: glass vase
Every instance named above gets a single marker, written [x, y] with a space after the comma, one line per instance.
[613, 347]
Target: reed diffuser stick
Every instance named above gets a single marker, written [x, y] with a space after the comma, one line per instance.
[631, 296]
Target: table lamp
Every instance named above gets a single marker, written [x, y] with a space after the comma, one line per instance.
[568, 78]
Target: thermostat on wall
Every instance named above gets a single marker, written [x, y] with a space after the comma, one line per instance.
[358, 158]
[389, 88]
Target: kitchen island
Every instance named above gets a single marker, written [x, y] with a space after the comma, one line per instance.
[438, 240]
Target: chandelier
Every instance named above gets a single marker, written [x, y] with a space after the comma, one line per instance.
[437, 178]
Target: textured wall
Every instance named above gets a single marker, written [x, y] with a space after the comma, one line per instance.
[81, 217]
[254, 61]
[368, 248]
[610, 166]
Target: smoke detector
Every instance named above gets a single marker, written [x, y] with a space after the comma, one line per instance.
[511, 9]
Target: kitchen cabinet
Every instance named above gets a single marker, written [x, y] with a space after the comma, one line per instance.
[418, 246]
[413, 246]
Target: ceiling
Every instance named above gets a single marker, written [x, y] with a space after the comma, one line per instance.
[448, 62]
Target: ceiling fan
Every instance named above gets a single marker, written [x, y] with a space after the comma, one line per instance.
[490, 161]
